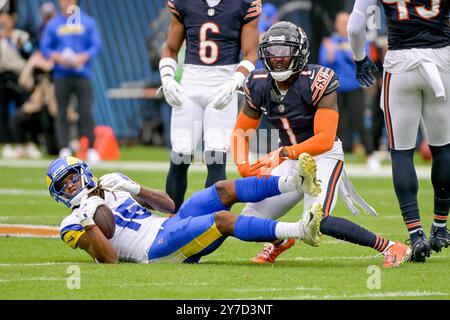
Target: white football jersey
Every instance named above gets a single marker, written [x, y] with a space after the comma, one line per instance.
[136, 227]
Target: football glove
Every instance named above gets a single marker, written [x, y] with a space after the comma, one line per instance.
[224, 94]
[119, 182]
[271, 160]
[86, 212]
[364, 72]
[172, 91]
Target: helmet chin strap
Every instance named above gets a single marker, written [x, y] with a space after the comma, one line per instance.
[282, 75]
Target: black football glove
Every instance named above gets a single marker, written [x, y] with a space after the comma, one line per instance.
[364, 72]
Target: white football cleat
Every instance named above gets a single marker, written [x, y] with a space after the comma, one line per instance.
[310, 224]
[306, 179]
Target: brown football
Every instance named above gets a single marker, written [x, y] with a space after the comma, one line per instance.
[104, 219]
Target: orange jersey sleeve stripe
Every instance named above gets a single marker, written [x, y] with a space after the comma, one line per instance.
[319, 92]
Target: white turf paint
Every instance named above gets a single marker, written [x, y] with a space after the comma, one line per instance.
[33, 279]
[353, 170]
[380, 295]
[23, 192]
[38, 264]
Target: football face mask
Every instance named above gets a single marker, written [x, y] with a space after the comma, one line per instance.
[284, 50]
[69, 180]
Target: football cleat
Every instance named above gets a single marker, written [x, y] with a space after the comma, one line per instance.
[272, 251]
[439, 238]
[306, 179]
[396, 254]
[420, 248]
[310, 224]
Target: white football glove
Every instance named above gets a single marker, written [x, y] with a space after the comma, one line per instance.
[87, 210]
[172, 91]
[119, 182]
[224, 94]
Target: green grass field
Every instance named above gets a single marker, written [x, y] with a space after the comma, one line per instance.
[32, 268]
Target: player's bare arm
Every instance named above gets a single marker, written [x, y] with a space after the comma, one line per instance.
[175, 39]
[155, 199]
[94, 242]
[249, 45]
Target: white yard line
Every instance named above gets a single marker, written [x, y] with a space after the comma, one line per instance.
[24, 192]
[380, 295]
[33, 279]
[354, 170]
[37, 264]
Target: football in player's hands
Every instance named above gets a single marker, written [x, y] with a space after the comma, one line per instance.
[105, 221]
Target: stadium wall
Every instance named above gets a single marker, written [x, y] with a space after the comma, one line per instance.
[124, 26]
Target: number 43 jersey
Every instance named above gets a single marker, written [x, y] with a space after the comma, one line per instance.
[136, 228]
[213, 34]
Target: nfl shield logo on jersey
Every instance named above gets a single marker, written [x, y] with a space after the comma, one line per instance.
[282, 108]
[211, 12]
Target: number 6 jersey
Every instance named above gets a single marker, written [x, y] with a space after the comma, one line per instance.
[213, 34]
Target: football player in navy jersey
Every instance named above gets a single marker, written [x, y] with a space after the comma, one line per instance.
[300, 100]
[416, 87]
[205, 103]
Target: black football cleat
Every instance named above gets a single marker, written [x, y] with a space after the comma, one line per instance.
[421, 248]
[439, 238]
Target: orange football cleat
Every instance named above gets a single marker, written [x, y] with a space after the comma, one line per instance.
[396, 254]
[271, 251]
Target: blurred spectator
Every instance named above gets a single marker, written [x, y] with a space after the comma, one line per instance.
[335, 53]
[8, 6]
[71, 40]
[33, 123]
[32, 119]
[48, 11]
[12, 62]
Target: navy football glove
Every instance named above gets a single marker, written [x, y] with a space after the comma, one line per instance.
[364, 72]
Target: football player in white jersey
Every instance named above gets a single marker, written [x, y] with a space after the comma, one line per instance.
[200, 226]
[217, 32]
[416, 88]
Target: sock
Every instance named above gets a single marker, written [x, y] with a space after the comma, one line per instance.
[255, 189]
[176, 182]
[346, 230]
[440, 177]
[286, 184]
[255, 229]
[441, 208]
[406, 187]
[285, 230]
[216, 164]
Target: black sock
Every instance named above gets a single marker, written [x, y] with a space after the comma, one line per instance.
[406, 187]
[440, 177]
[176, 182]
[216, 164]
[346, 230]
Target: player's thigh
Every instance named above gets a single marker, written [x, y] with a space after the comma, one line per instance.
[181, 238]
[436, 114]
[401, 101]
[218, 126]
[186, 125]
[201, 203]
[329, 171]
[278, 206]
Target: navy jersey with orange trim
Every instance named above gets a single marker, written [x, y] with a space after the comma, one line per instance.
[213, 35]
[291, 113]
[417, 23]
